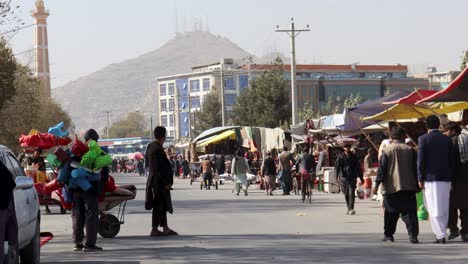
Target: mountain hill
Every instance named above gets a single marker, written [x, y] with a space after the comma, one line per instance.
[129, 85]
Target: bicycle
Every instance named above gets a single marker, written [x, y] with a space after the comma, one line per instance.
[306, 188]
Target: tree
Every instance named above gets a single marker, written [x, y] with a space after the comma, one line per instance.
[28, 109]
[333, 106]
[307, 113]
[7, 73]
[209, 115]
[464, 61]
[266, 103]
[353, 100]
[132, 126]
[8, 16]
[243, 111]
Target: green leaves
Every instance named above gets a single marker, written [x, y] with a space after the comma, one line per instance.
[28, 109]
[464, 61]
[209, 115]
[132, 126]
[7, 74]
[266, 103]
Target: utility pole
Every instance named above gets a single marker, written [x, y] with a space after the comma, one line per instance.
[222, 93]
[151, 127]
[107, 114]
[190, 117]
[293, 34]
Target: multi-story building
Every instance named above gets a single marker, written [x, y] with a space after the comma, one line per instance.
[440, 80]
[184, 93]
[314, 84]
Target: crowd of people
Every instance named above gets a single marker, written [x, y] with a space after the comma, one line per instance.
[128, 166]
[438, 167]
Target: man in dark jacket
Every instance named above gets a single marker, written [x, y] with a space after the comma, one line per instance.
[459, 193]
[85, 211]
[435, 168]
[159, 184]
[268, 172]
[220, 165]
[398, 176]
[306, 166]
[348, 168]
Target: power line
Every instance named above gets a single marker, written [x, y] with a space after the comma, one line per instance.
[15, 30]
[23, 52]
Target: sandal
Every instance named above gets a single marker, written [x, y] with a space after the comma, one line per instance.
[172, 233]
[157, 233]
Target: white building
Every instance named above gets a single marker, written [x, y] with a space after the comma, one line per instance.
[175, 91]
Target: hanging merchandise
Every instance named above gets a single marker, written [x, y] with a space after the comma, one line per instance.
[95, 158]
[79, 148]
[58, 130]
[41, 140]
[61, 155]
[53, 160]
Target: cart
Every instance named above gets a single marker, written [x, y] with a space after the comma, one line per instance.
[48, 198]
[214, 181]
[109, 224]
[195, 171]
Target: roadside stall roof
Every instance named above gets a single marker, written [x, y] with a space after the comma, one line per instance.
[353, 115]
[213, 139]
[412, 98]
[408, 111]
[212, 131]
[455, 92]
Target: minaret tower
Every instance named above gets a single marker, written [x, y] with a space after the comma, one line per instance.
[41, 50]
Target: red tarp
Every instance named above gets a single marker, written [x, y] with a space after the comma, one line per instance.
[457, 91]
[42, 141]
[412, 98]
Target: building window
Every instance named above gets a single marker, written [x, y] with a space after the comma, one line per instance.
[162, 89]
[230, 99]
[195, 102]
[243, 82]
[164, 121]
[194, 86]
[163, 105]
[171, 120]
[171, 133]
[171, 104]
[206, 84]
[230, 84]
[171, 88]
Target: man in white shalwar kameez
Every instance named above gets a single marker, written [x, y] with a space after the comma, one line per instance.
[435, 168]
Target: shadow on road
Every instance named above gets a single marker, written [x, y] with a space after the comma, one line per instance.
[254, 248]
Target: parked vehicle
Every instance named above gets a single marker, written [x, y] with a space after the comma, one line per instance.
[27, 213]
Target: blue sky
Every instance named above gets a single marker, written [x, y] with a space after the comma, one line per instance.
[86, 35]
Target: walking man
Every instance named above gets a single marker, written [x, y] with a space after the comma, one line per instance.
[207, 171]
[268, 173]
[239, 170]
[435, 170]
[159, 184]
[398, 176]
[306, 163]
[459, 193]
[285, 165]
[348, 168]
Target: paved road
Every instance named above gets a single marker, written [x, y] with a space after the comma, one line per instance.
[217, 227]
